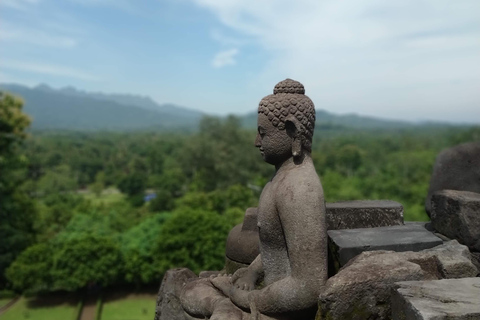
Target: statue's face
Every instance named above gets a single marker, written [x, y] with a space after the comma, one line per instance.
[275, 145]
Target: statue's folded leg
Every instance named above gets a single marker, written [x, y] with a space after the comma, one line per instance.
[199, 298]
[226, 310]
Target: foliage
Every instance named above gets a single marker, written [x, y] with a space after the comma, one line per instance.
[32, 269]
[138, 246]
[86, 260]
[194, 239]
[16, 209]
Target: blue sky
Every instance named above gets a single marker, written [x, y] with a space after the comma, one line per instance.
[399, 59]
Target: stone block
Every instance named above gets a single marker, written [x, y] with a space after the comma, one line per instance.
[456, 214]
[362, 289]
[363, 214]
[168, 300]
[456, 168]
[348, 243]
[475, 257]
[438, 299]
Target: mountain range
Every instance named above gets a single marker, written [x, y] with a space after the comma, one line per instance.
[72, 109]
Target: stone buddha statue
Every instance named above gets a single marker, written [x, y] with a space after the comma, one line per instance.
[286, 278]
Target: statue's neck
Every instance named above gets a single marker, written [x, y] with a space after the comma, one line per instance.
[293, 162]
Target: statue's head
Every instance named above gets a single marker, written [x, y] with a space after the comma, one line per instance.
[286, 120]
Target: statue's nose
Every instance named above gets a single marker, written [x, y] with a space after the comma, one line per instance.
[257, 141]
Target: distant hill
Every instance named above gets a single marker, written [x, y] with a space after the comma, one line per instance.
[71, 109]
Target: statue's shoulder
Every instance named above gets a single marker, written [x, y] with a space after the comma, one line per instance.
[299, 180]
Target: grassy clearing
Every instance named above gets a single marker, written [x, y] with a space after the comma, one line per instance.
[108, 196]
[4, 301]
[38, 309]
[131, 307]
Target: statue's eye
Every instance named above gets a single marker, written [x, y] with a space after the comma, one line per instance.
[261, 132]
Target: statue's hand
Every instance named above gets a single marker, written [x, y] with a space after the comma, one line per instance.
[244, 279]
[240, 298]
[224, 284]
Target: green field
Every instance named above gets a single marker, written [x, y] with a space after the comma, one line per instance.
[4, 302]
[35, 309]
[133, 307]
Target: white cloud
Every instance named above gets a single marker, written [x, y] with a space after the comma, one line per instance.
[225, 58]
[48, 69]
[397, 58]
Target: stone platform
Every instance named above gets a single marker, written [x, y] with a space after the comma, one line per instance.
[437, 299]
[348, 243]
[363, 214]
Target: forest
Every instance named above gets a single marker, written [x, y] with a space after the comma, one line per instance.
[120, 208]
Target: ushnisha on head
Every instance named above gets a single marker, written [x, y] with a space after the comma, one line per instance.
[288, 103]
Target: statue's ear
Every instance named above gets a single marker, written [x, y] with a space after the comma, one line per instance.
[292, 126]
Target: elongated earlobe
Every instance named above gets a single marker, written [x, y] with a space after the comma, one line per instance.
[296, 147]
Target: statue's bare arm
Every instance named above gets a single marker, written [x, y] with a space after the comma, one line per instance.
[301, 208]
[245, 278]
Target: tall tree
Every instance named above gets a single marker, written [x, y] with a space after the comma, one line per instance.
[16, 209]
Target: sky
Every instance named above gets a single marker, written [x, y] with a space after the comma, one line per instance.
[411, 60]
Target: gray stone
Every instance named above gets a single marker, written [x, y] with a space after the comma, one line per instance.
[362, 289]
[208, 274]
[457, 168]
[168, 300]
[456, 214]
[475, 257]
[424, 224]
[363, 214]
[348, 243]
[242, 241]
[437, 300]
[232, 266]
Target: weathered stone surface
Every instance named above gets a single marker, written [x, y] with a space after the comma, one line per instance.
[475, 257]
[438, 299]
[456, 214]
[424, 224]
[232, 266]
[208, 274]
[346, 244]
[362, 289]
[363, 214]
[457, 168]
[168, 299]
[242, 241]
